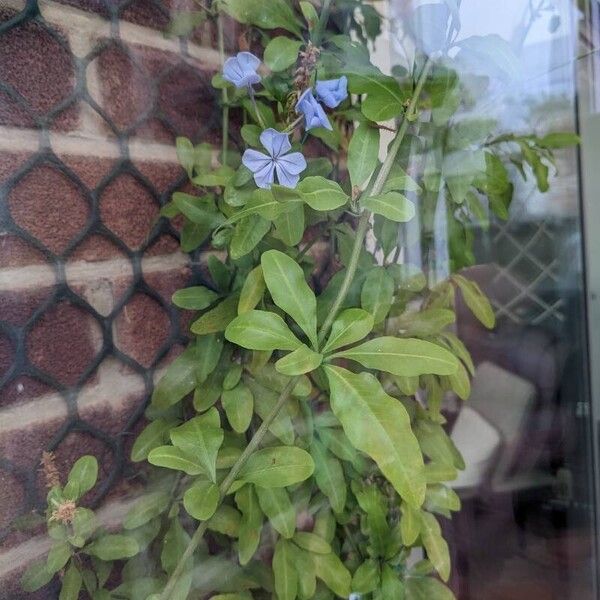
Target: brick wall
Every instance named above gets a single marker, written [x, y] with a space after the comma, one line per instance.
[92, 96]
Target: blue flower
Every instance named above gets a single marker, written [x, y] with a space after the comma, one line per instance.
[241, 70]
[332, 92]
[313, 112]
[287, 166]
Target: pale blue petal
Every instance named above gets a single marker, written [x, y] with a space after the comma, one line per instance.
[285, 178]
[293, 163]
[313, 112]
[332, 92]
[275, 142]
[265, 177]
[248, 61]
[255, 160]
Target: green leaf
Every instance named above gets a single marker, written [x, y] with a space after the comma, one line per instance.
[200, 437]
[281, 53]
[441, 499]
[332, 572]
[311, 542]
[113, 547]
[400, 181]
[193, 235]
[304, 563]
[272, 15]
[82, 477]
[322, 194]
[85, 524]
[71, 584]
[460, 382]
[277, 467]
[363, 154]
[178, 381]
[153, 435]
[199, 210]
[437, 445]
[250, 524]
[218, 318]
[217, 178]
[559, 139]
[302, 360]
[248, 233]
[226, 521]
[435, 545]
[352, 325]
[185, 154]
[261, 330]
[427, 588]
[289, 290]
[252, 291]
[425, 323]
[392, 205]
[329, 476]
[286, 579]
[310, 14]
[410, 524]
[238, 404]
[366, 578]
[276, 504]
[201, 500]
[476, 300]
[289, 226]
[264, 401]
[194, 298]
[377, 294]
[36, 576]
[58, 556]
[208, 351]
[402, 356]
[379, 426]
[391, 586]
[145, 509]
[175, 458]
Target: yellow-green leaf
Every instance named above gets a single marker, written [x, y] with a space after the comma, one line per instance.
[351, 325]
[201, 499]
[402, 356]
[252, 291]
[476, 300]
[302, 360]
[277, 467]
[379, 426]
[261, 330]
[392, 205]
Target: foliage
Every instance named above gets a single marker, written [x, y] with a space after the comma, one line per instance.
[298, 442]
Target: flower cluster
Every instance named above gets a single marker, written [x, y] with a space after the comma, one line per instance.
[241, 71]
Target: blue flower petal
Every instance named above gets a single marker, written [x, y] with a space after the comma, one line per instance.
[255, 160]
[313, 112]
[285, 178]
[275, 142]
[294, 163]
[332, 92]
[241, 70]
[265, 177]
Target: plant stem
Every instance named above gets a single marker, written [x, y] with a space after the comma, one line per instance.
[226, 484]
[225, 95]
[323, 18]
[257, 438]
[363, 224]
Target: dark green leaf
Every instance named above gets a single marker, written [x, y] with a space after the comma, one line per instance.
[82, 477]
[178, 380]
[377, 294]
[113, 547]
[216, 319]
[329, 476]
[286, 579]
[352, 325]
[201, 500]
[363, 154]
[145, 509]
[274, 14]
[194, 298]
[250, 524]
[322, 194]
[289, 290]
[281, 52]
[248, 233]
[276, 505]
[71, 584]
[238, 404]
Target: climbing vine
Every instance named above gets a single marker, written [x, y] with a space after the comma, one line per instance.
[297, 448]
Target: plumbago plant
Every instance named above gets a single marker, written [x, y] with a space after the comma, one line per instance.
[299, 441]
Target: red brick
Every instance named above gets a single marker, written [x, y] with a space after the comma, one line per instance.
[6, 355]
[162, 176]
[16, 252]
[21, 389]
[143, 12]
[16, 307]
[95, 248]
[128, 209]
[95, 6]
[165, 244]
[166, 284]
[91, 170]
[141, 328]
[50, 206]
[62, 342]
[10, 162]
[37, 66]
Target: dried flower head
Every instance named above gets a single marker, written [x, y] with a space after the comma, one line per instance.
[308, 62]
[64, 512]
[49, 470]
